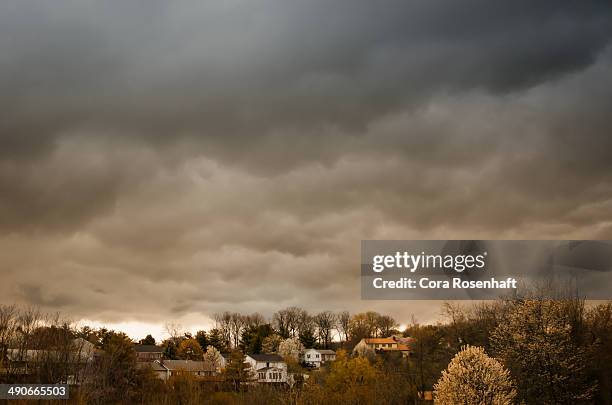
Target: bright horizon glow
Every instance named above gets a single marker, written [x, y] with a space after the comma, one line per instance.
[139, 330]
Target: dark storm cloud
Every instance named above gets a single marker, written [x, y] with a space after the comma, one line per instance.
[197, 156]
[246, 80]
[244, 68]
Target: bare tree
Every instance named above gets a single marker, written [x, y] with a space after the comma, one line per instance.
[8, 327]
[280, 323]
[174, 330]
[325, 322]
[294, 316]
[305, 322]
[222, 323]
[28, 320]
[54, 356]
[364, 325]
[386, 325]
[344, 324]
[289, 322]
[254, 320]
[237, 322]
[371, 318]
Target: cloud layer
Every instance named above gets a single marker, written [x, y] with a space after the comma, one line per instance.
[192, 157]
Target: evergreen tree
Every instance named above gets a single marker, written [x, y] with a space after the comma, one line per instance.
[253, 336]
[237, 370]
[170, 349]
[202, 338]
[149, 340]
[217, 340]
[308, 338]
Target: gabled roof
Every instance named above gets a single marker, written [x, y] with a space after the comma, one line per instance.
[186, 365]
[405, 340]
[266, 357]
[379, 340]
[148, 349]
[154, 365]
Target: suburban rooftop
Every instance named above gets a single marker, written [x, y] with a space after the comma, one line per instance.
[265, 357]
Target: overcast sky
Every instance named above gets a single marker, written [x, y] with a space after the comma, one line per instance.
[162, 161]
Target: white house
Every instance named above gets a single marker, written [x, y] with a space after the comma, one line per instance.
[73, 355]
[318, 357]
[268, 368]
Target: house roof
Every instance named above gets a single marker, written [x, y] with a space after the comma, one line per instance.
[82, 344]
[186, 365]
[154, 365]
[322, 351]
[379, 340]
[148, 349]
[266, 357]
[40, 355]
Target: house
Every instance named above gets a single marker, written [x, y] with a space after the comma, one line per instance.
[72, 356]
[84, 348]
[388, 344]
[271, 375]
[77, 351]
[148, 353]
[404, 340]
[157, 368]
[164, 369]
[318, 357]
[268, 368]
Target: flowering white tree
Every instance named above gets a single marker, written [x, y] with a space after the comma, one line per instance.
[472, 377]
[536, 342]
[291, 348]
[363, 350]
[213, 358]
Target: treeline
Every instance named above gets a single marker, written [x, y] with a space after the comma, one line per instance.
[557, 351]
[547, 351]
[113, 375]
[253, 333]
